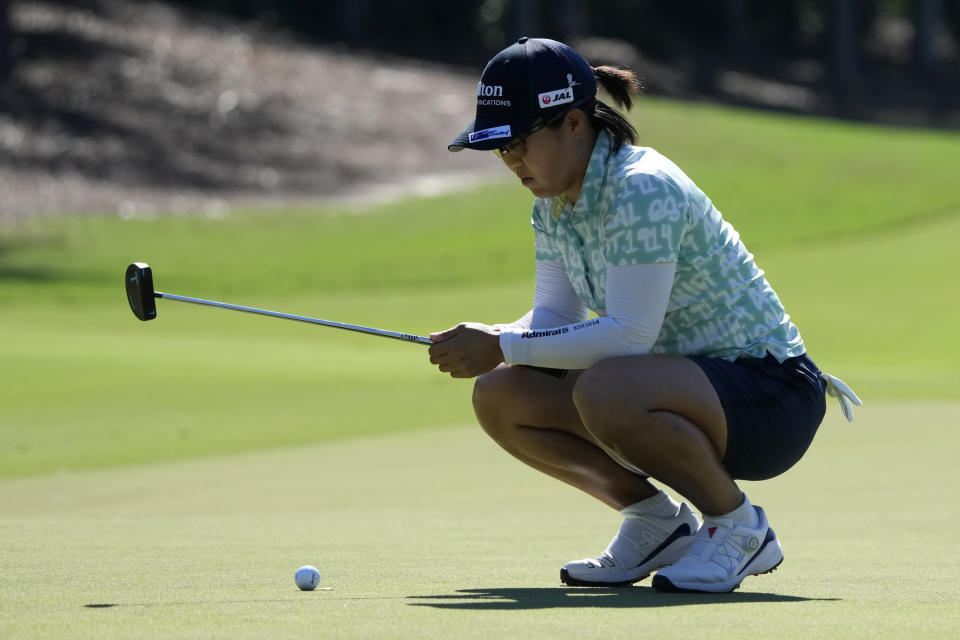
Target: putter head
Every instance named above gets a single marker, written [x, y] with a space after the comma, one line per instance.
[139, 284]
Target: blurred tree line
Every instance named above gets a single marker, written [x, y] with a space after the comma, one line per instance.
[468, 31]
[840, 35]
[6, 41]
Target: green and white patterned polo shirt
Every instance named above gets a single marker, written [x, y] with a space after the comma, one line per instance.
[637, 207]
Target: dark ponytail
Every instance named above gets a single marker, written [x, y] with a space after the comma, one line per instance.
[622, 85]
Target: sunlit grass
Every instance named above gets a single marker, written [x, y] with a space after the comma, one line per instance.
[853, 225]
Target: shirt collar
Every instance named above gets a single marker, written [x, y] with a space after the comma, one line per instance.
[593, 179]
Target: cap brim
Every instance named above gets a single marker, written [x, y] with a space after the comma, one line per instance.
[497, 134]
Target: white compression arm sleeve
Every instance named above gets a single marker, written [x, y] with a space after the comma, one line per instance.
[637, 298]
[555, 303]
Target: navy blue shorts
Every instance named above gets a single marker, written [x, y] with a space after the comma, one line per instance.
[773, 410]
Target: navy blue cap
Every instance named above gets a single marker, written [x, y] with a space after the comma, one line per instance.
[531, 81]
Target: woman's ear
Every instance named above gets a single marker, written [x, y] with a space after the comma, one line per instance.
[576, 121]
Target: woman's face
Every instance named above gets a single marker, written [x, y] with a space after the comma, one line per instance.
[552, 160]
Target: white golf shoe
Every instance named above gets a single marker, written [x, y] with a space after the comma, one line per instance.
[723, 554]
[643, 544]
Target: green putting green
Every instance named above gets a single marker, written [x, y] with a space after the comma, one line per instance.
[439, 534]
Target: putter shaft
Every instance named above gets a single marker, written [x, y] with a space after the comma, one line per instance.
[276, 314]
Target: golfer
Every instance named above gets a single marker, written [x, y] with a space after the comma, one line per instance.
[689, 372]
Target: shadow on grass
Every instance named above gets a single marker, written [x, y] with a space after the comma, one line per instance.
[562, 597]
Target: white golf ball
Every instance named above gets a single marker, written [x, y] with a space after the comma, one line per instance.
[307, 578]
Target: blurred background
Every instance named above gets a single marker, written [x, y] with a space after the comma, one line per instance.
[857, 58]
[140, 107]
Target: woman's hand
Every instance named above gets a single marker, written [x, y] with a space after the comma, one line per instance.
[467, 350]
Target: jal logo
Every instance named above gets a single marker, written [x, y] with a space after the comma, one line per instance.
[553, 98]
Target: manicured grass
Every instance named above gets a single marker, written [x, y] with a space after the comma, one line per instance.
[89, 386]
[439, 534]
[877, 309]
[95, 387]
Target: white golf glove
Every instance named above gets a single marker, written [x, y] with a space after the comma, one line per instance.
[839, 390]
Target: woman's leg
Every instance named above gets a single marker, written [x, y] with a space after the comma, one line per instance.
[598, 428]
[660, 413]
[532, 416]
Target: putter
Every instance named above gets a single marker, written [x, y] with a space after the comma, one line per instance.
[142, 299]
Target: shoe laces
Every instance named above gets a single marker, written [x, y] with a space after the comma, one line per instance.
[718, 543]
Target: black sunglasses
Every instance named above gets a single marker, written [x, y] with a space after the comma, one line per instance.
[519, 146]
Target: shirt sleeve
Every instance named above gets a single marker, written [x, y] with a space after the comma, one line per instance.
[637, 296]
[555, 303]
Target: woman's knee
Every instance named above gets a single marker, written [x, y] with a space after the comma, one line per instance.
[491, 398]
[649, 400]
[510, 399]
[595, 394]
[608, 404]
